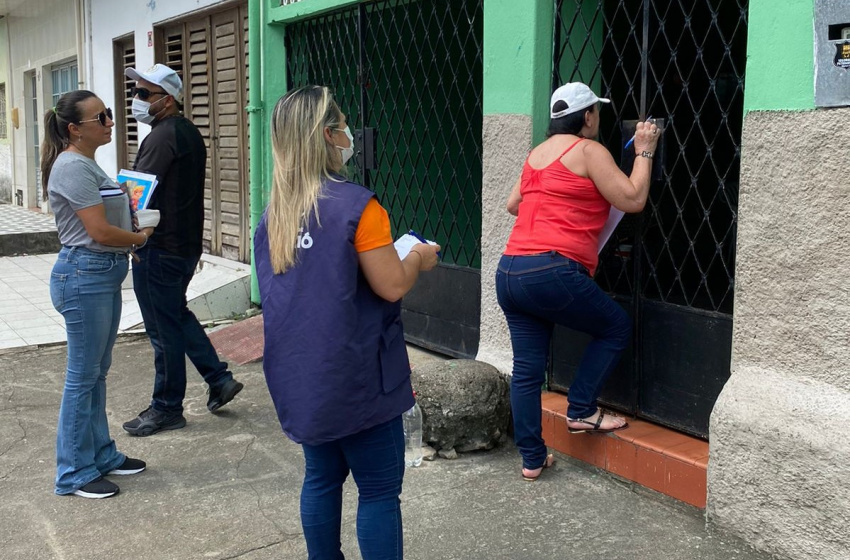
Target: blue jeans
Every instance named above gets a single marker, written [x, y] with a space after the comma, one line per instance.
[160, 281]
[376, 459]
[536, 292]
[85, 287]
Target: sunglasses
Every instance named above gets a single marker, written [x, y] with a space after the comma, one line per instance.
[144, 93]
[100, 117]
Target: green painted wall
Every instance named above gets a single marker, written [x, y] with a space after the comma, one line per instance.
[518, 59]
[305, 9]
[267, 79]
[780, 56]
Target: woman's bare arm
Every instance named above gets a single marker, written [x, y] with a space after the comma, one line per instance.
[626, 193]
[390, 277]
[514, 199]
[94, 220]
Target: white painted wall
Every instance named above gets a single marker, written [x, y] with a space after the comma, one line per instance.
[111, 19]
[6, 192]
[41, 33]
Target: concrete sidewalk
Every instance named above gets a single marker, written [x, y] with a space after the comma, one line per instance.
[227, 486]
[219, 289]
[26, 231]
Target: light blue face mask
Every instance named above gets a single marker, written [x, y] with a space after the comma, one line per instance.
[349, 151]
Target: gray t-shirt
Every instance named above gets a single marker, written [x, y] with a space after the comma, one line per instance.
[77, 182]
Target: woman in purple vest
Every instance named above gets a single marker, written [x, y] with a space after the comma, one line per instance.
[335, 360]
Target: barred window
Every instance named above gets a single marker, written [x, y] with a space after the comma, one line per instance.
[3, 133]
[64, 78]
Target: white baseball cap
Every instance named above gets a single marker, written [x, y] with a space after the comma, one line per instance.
[161, 75]
[577, 96]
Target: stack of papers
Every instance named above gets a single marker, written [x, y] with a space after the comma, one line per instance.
[614, 217]
[405, 243]
[140, 185]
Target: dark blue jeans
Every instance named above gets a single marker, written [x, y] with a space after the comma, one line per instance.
[375, 457]
[536, 292]
[160, 281]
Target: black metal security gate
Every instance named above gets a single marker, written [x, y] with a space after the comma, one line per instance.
[672, 266]
[408, 75]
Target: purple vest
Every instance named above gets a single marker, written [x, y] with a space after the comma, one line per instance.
[335, 359]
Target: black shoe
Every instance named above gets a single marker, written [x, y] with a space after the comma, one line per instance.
[150, 421]
[97, 488]
[220, 396]
[129, 466]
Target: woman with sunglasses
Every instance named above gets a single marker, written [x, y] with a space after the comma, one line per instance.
[95, 228]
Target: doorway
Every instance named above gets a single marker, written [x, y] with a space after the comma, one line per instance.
[671, 266]
[210, 53]
[409, 77]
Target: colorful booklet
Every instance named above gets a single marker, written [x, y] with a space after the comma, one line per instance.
[140, 186]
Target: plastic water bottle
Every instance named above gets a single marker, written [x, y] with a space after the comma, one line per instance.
[413, 436]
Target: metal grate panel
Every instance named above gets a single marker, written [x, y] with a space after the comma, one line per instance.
[413, 72]
[683, 61]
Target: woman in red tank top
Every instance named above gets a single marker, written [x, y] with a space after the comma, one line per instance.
[562, 200]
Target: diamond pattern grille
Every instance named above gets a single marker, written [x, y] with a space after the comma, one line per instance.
[412, 70]
[682, 60]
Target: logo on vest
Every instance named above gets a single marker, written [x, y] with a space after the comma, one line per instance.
[304, 240]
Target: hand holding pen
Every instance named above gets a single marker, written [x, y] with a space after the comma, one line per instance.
[646, 137]
[649, 120]
[423, 240]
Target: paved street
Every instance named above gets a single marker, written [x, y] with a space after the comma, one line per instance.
[227, 486]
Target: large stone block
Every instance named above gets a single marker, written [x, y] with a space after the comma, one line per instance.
[465, 404]
[779, 465]
[780, 430]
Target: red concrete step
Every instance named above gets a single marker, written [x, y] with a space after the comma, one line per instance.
[241, 342]
[650, 455]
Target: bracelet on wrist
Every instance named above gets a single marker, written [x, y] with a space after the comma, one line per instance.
[145, 242]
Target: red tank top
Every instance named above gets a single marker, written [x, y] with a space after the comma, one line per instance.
[559, 211]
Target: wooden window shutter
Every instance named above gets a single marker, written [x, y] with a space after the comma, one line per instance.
[210, 52]
[229, 114]
[197, 108]
[173, 47]
[128, 129]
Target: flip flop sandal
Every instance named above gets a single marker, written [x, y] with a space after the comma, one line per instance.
[550, 460]
[594, 426]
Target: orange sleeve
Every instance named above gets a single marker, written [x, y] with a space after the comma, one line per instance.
[373, 231]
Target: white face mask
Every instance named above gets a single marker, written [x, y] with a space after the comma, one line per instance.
[349, 151]
[141, 111]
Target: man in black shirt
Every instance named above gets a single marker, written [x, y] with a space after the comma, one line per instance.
[174, 151]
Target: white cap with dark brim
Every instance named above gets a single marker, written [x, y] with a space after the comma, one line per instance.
[577, 96]
[161, 75]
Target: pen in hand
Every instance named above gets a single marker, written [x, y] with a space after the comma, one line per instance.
[632, 139]
[423, 240]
